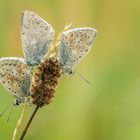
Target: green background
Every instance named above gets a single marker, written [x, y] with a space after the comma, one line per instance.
[106, 109]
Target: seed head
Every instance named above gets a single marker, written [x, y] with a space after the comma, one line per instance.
[45, 81]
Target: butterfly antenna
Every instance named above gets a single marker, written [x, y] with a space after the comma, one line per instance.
[6, 108]
[10, 114]
[82, 77]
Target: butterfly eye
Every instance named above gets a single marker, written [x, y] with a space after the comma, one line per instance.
[70, 72]
[17, 102]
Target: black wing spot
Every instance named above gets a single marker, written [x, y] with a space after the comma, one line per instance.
[72, 35]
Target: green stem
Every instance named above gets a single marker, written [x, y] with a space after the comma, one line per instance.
[28, 124]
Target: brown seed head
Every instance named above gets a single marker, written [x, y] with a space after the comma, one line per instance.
[45, 81]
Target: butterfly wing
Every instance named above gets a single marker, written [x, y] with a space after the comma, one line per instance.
[37, 36]
[15, 76]
[75, 44]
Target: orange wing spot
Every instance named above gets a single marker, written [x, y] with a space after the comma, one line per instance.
[20, 68]
[82, 39]
[24, 66]
[71, 40]
[11, 78]
[74, 47]
[79, 48]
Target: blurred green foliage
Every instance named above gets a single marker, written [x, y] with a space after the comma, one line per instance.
[108, 108]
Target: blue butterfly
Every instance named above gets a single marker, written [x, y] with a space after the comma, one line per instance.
[37, 38]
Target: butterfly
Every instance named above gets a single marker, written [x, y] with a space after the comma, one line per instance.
[37, 37]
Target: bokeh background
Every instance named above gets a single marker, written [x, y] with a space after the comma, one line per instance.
[106, 109]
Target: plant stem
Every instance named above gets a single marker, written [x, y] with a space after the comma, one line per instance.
[28, 124]
[19, 121]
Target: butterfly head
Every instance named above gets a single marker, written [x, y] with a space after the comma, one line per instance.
[17, 102]
[66, 70]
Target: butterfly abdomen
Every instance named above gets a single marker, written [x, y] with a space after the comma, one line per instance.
[45, 81]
